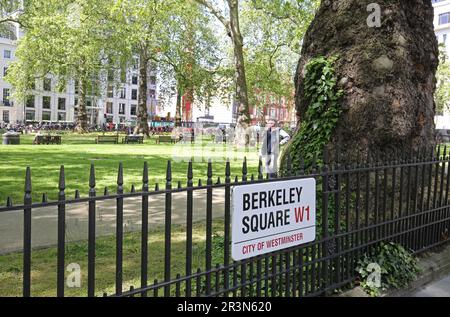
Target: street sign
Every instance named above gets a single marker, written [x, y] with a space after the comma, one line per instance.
[268, 217]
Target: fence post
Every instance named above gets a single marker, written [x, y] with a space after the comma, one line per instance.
[324, 216]
[119, 231]
[168, 227]
[189, 215]
[144, 237]
[209, 193]
[27, 236]
[91, 234]
[61, 234]
[227, 226]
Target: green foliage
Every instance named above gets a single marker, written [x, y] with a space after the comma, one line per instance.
[273, 31]
[442, 94]
[397, 268]
[323, 113]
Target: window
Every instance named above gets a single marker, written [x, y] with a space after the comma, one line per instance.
[47, 84]
[46, 102]
[109, 107]
[6, 116]
[76, 87]
[444, 18]
[6, 96]
[152, 80]
[134, 94]
[110, 75]
[7, 54]
[5, 70]
[29, 115]
[110, 91]
[32, 85]
[46, 115]
[121, 108]
[76, 101]
[88, 103]
[134, 80]
[30, 102]
[135, 63]
[61, 103]
[8, 31]
[61, 116]
[123, 93]
[133, 110]
[152, 93]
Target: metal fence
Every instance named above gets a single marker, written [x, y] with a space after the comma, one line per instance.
[403, 199]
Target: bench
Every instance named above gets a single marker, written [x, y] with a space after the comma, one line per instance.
[47, 139]
[107, 139]
[133, 139]
[164, 138]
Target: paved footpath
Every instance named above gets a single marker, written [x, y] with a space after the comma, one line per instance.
[439, 288]
[45, 220]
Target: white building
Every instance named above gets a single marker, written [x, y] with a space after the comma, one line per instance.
[442, 29]
[49, 102]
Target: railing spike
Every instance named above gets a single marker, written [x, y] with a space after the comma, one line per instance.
[44, 198]
[260, 170]
[133, 190]
[169, 172]
[105, 192]
[62, 179]
[210, 170]
[28, 181]
[190, 174]
[77, 194]
[120, 175]
[9, 202]
[145, 175]
[92, 177]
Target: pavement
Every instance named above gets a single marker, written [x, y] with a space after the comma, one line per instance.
[45, 220]
[440, 288]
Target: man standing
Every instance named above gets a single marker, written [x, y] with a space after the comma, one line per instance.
[272, 138]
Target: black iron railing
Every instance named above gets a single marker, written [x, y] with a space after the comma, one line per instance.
[405, 200]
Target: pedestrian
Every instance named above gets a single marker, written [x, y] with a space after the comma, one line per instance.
[272, 138]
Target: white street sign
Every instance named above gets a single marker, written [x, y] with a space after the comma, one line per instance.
[269, 217]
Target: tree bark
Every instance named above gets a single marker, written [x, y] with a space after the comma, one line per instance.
[142, 117]
[241, 80]
[178, 107]
[387, 74]
[82, 119]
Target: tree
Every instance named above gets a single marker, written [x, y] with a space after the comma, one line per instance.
[442, 95]
[384, 71]
[274, 30]
[188, 58]
[69, 40]
[140, 22]
[232, 27]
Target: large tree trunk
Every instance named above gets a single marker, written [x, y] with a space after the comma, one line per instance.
[243, 119]
[82, 119]
[387, 74]
[142, 117]
[178, 107]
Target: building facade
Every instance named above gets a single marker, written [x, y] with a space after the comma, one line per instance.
[442, 29]
[51, 101]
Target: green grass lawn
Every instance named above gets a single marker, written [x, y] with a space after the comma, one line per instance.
[44, 268]
[77, 152]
